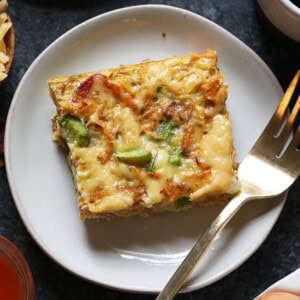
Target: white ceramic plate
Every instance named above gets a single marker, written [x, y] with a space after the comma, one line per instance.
[137, 254]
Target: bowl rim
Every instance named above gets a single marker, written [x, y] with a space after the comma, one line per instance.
[10, 42]
[284, 15]
[14, 255]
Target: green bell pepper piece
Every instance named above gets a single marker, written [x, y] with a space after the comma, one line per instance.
[72, 129]
[137, 156]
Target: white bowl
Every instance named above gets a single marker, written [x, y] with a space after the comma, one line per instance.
[284, 15]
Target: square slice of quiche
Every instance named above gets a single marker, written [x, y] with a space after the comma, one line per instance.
[148, 137]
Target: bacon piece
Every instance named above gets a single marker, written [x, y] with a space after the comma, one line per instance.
[109, 85]
[198, 176]
[210, 89]
[150, 119]
[124, 97]
[84, 89]
[136, 191]
[187, 139]
[201, 164]
[178, 113]
[128, 101]
[84, 106]
[186, 113]
[173, 190]
[171, 111]
[104, 156]
[98, 195]
[197, 179]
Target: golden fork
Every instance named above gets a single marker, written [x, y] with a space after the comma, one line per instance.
[269, 169]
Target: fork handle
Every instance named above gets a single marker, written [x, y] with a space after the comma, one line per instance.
[202, 244]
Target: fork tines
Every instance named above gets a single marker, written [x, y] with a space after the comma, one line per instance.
[286, 126]
[282, 134]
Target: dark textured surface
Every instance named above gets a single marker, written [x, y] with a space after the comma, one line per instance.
[37, 24]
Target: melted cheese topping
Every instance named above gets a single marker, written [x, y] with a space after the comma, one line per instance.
[217, 138]
[123, 109]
